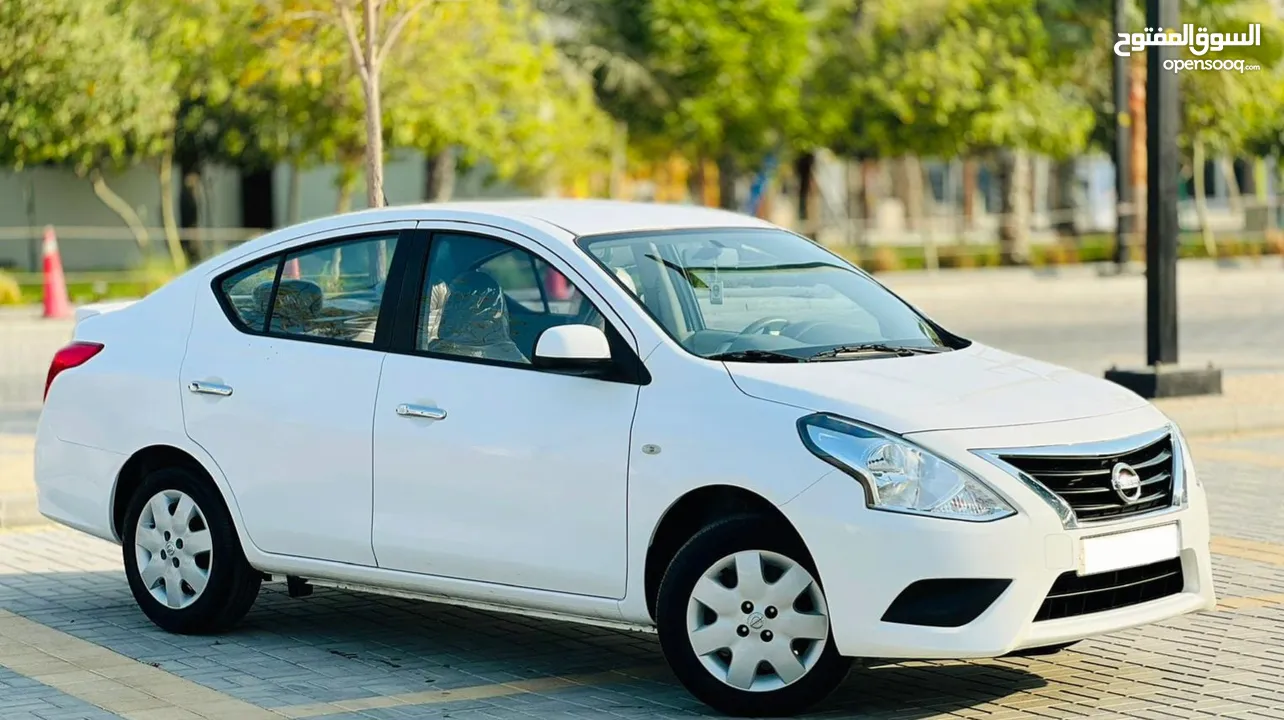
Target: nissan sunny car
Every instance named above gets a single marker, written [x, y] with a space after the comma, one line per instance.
[656, 417]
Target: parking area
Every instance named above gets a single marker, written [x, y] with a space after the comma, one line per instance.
[73, 645]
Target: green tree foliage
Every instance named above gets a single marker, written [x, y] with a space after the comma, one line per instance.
[945, 78]
[722, 77]
[1227, 111]
[473, 75]
[734, 70]
[77, 87]
[207, 45]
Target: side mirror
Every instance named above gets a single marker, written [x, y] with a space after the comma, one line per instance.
[571, 347]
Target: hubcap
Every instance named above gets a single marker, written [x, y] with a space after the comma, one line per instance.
[757, 620]
[174, 550]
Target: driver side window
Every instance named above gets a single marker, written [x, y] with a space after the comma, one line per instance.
[487, 299]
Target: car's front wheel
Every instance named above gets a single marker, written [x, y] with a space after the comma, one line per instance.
[182, 557]
[743, 621]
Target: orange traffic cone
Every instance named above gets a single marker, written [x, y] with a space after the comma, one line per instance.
[557, 285]
[57, 304]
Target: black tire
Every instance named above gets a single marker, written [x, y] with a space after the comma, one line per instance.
[232, 586]
[699, 554]
[1043, 651]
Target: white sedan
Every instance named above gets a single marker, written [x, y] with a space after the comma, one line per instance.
[634, 415]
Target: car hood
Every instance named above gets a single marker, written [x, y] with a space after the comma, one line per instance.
[975, 387]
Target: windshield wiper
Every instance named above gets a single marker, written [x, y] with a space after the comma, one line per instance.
[898, 350]
[756, 356]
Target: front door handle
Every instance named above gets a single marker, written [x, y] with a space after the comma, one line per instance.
[421, 411]
[206, 388]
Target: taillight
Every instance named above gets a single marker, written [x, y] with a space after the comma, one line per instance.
[74, 355]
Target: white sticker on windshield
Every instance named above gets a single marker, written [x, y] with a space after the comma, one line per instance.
[715, 287]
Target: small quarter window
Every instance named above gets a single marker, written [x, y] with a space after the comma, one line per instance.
[248, 292]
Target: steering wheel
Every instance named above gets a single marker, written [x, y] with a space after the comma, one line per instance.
[775, 324]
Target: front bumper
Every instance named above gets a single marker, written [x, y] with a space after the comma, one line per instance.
[866, 558]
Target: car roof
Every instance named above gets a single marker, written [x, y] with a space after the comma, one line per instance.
[577, 217]
[573, 218]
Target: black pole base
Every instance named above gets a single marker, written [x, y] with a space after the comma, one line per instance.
[1168, 381]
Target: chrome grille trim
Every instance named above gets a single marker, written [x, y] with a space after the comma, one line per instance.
[1099, 450]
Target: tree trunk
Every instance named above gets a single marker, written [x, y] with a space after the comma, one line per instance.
[869, 192]
[1014, 227]
[1234, 200]
[803, 168]
[1250, 167]
[190, 205]
[439, 176]
[909, 174]
[293, 194]
[1137, 160]
[346, 187]
[695, 181]
[620, 160]
[374, 117]
[727, 183]
[1066, 202]
[853, 201]
[969, 193]
[167, 211]
[121, 208]
[1201, 200]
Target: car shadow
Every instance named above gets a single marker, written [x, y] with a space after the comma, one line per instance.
[337, 645]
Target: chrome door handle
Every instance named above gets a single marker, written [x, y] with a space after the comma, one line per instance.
[205, 388]
[420, 411]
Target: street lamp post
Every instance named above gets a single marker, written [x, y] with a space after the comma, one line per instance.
[1162, 377]
[1162, 108]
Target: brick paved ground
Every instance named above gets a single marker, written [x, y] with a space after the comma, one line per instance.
[65, 609]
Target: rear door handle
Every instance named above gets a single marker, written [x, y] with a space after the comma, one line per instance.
[206, 388]
[421, 411]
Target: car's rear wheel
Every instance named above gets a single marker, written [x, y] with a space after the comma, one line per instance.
[182, 557]
[744, 623]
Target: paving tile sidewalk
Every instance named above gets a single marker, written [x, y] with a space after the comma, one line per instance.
[17, 491]
[346, 656]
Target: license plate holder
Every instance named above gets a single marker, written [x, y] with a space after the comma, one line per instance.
[1133, 548]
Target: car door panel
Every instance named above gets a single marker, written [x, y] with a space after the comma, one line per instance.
[288, 419]
[523, 482]
[519, 477]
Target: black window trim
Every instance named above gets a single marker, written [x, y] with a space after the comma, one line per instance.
[953, 340]
[383, 323]
[627, 367]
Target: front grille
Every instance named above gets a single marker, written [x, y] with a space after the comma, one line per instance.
[1074, 595]
[1084, 481]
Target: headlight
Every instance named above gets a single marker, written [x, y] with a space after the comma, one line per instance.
[898, 475]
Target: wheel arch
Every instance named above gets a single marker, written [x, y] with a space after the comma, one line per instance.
[159, 455]
[693, 511]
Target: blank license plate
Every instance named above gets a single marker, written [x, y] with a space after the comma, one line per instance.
[1129, 549]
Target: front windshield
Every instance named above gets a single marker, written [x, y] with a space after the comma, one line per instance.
[747, 293]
